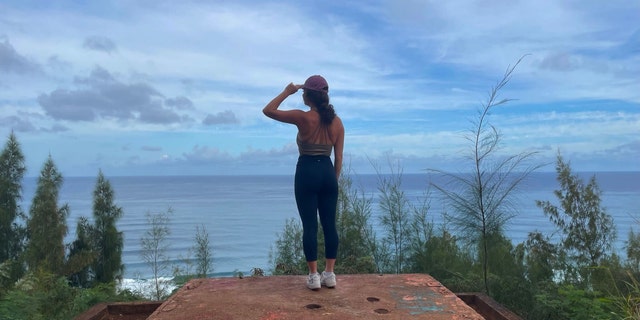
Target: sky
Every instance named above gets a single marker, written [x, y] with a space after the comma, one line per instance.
[177, 87]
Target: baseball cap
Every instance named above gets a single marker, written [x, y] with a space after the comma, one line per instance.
[316, 83]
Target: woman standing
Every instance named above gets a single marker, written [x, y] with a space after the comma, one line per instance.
[320, 131]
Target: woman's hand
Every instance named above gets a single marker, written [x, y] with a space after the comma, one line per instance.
[292, 88]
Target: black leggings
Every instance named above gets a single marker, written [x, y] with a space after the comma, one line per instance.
[316, 189]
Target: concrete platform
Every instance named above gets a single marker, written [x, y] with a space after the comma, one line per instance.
[403, 296]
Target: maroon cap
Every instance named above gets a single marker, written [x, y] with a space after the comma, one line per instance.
[316, 83]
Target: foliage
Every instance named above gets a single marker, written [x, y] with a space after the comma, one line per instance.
[154, 245]
[19, 305]
[357, 238]
[627, 302]
[43, 296]
[480, 201]
[203, 260]
[570, 303]
[505, 260]
[204, 255]
[12, 169]
[109, 242]
[47, 223]
[81, 255]
[9, 270]
[395, 219]
[588, 230]
[95, 256]
[441, 257]
[287, 257]
[632, 249]
[507, 275]
[541, 258]
[12, 231]
[467, 281]
[420, 229]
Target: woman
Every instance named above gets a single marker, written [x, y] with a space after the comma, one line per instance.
[316, 180]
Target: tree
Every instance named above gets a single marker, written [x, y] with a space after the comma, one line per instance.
[395, 218]
[154, 250]
[204, 255]
[183, 271]
[567, 302]
[633, 251]
[47, 223]
[588, 231]
[441, 257]
[12, 234]
[541, 258]
[82, 255]
[481, 201]
[109, 241]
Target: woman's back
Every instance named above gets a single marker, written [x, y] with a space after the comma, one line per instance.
[314, 131]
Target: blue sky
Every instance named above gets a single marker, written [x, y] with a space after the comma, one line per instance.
[177, 87]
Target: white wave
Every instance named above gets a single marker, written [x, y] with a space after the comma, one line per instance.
[148, 288]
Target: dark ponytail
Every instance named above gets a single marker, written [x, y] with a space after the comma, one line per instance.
[320, 100]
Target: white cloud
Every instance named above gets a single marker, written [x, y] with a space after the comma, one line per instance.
[191, 78]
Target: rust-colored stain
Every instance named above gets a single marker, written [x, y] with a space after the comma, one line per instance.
[369, 296]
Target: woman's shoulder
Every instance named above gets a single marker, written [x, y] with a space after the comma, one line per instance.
[337, 121]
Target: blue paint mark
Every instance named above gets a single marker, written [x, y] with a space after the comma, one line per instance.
[423, 310]
[419, 304]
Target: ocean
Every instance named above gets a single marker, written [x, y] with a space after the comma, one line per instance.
[243, 215]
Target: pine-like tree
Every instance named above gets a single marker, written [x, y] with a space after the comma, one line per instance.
[82, 255]
[480, 201]
[47, 223]
[588, 231]
[108, 240]
[12, 169]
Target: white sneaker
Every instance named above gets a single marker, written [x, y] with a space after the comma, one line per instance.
[328, 279]
[313, 281]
